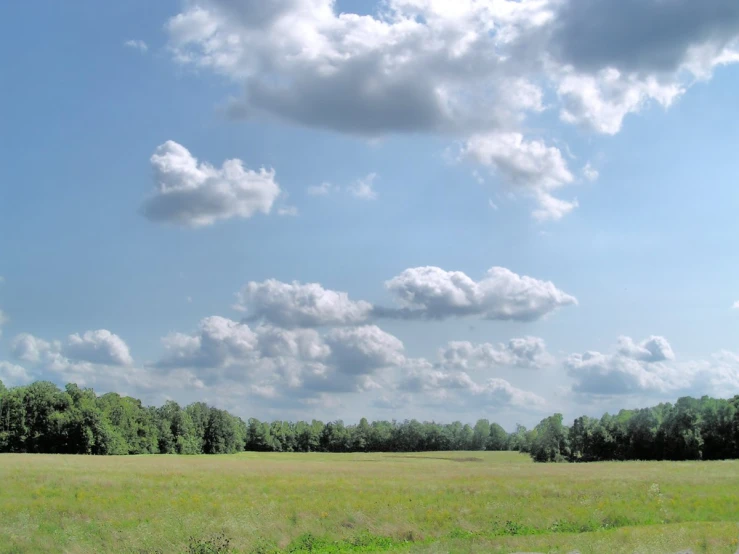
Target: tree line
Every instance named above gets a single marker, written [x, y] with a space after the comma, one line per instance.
[41, 418]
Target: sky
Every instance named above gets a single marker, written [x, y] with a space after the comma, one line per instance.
[432, 209]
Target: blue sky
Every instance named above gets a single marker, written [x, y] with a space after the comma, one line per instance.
[478, 146]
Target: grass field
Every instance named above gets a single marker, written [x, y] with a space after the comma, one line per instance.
[425, 503]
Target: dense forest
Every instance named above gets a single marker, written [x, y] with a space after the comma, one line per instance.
[41, 418]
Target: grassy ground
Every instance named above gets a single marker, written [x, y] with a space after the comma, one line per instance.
[417, 503]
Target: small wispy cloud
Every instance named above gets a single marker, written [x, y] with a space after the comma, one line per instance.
[136, 44]
[364, 188]
[590, 173]
[323, 189]
[287, 211]
[735, 306]
[361, 188]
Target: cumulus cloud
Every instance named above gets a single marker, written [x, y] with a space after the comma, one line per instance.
[135, 44]
[435, 385]
[28, 348]
[362, 349]
[466, 66]
[194, 194]
[14, 375]
[98, 347]
[299, 305]
[526, 352]
[600, 102]
[528, 166]
[653, 349]
[609, 374]
[433, 293]
[219, 342]
[276, 360]
[649, 367]
[94, 358]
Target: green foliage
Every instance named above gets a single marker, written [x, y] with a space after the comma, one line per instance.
[217, 544]
[364, 542]
[41, 418]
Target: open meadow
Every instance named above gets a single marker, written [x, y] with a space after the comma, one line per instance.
[432, 503]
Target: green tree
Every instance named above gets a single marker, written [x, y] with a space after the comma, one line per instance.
[497, 438]
[550, 442]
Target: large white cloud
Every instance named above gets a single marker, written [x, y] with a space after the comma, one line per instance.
[455, 65]
[194, 194]
[526, 352]
[431, 292]
[475, 68]
[276, 360]
[650, 367]
[613, 374]
[300, 305]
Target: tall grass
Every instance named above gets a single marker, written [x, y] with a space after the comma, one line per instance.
[436, 502]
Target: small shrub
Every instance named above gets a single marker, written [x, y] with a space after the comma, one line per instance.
[217, 544]
[263, 546]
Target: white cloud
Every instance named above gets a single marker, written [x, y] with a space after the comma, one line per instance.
[363, 349]
[300, 305]
[464, 66]
[457, 387]
[279, 362]
[653, 349]
[613, 374]
[194, 194]
[530, 167]
[736, 305]
[433, 293]
[219, 342]
[14, 375]
[649, 367]
[94, 358]
[28, 348]
[364, 188]
[98, 347]
[323, 189]
[590, 173]
[139, 45]
[601, 102]
[526, 352]
[290, 211]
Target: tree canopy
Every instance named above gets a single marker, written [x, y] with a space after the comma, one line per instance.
[41, 418]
